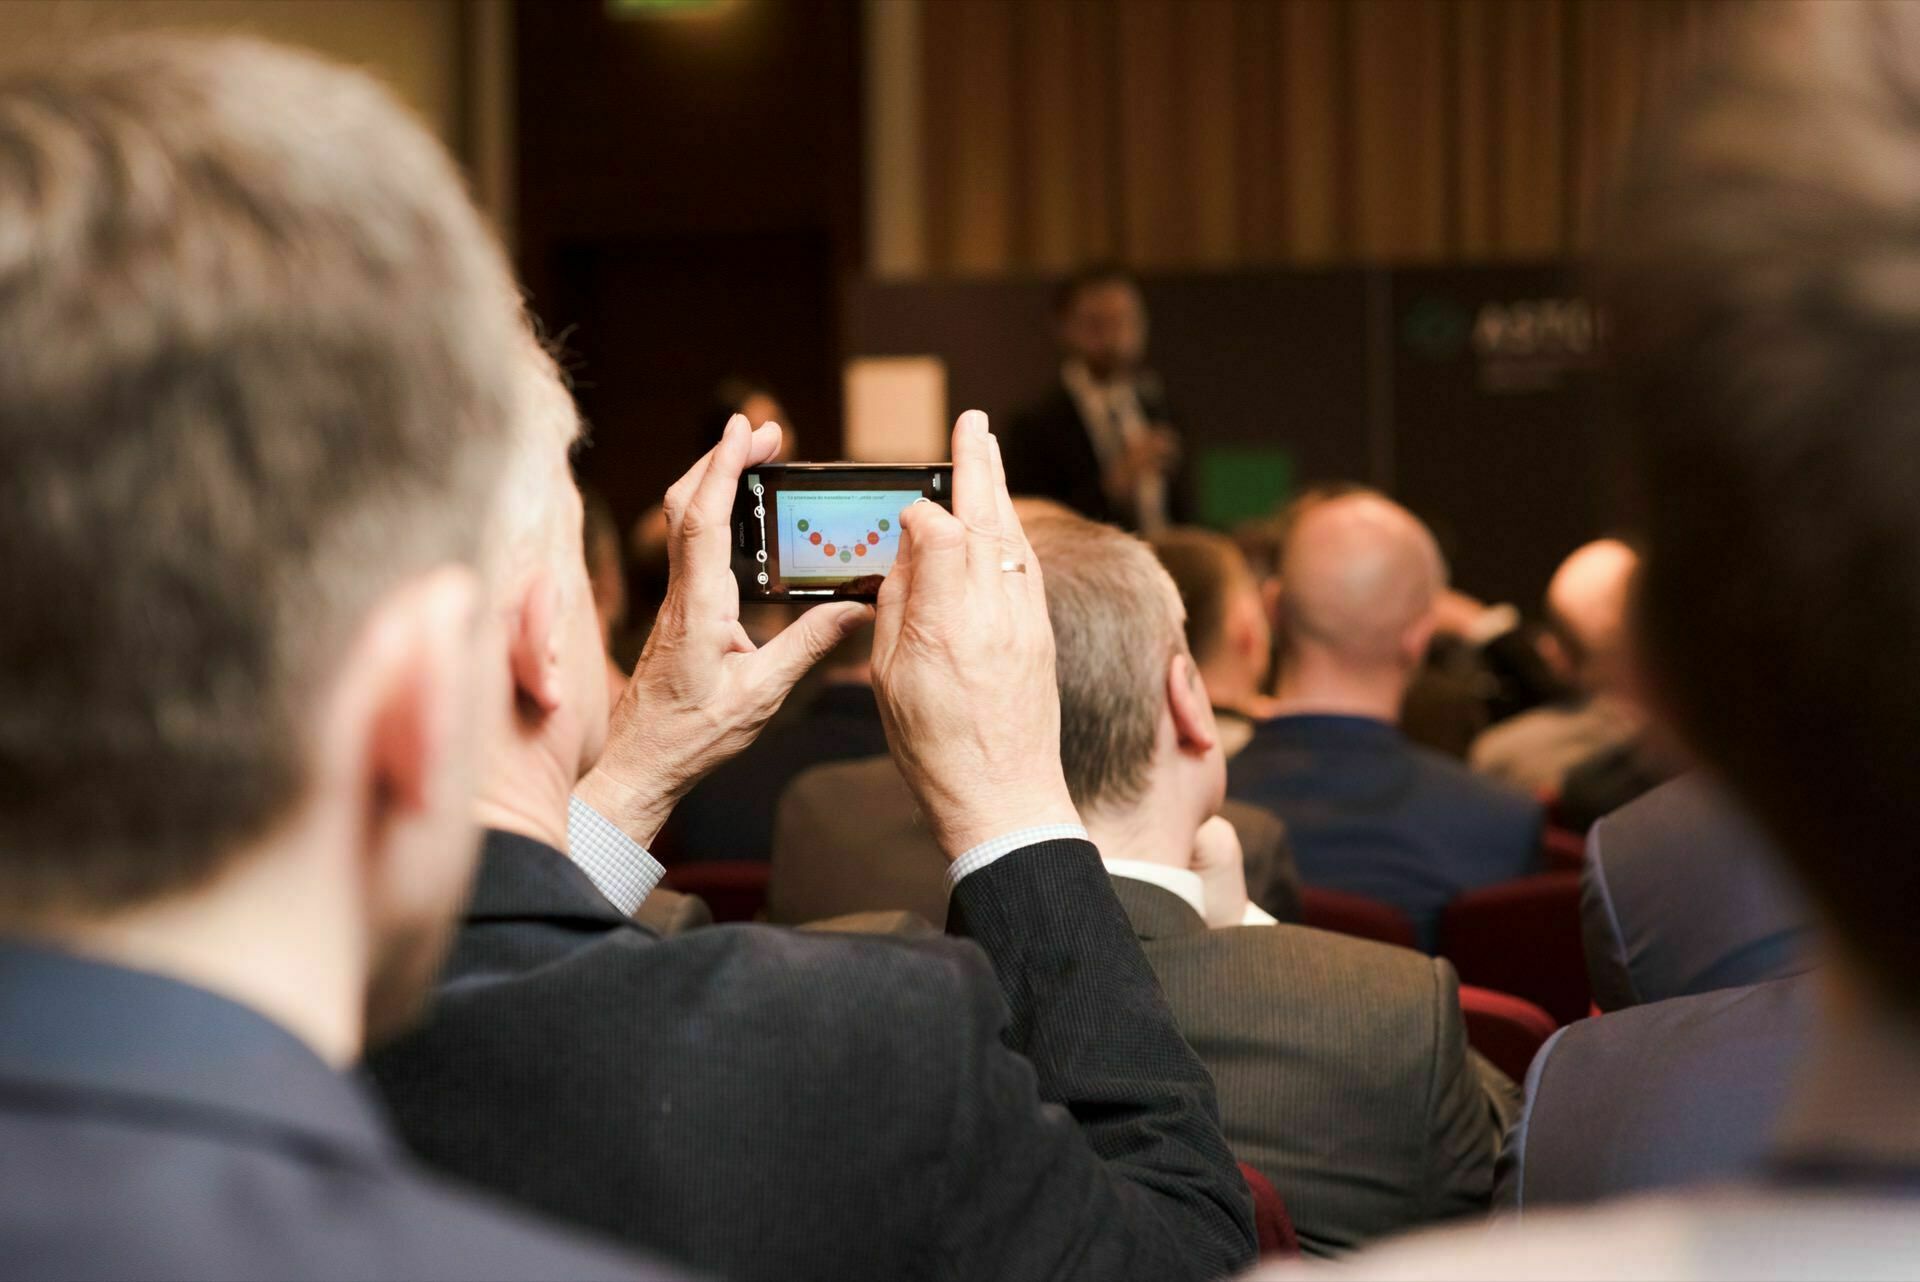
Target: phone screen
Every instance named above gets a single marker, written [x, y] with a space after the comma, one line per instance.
[826, 530]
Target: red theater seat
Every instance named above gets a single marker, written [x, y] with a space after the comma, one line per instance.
[735, 889]
[1522, 937]
[1346, 914]
[1270, 1218]
[1562, 849]
[1506, 1029]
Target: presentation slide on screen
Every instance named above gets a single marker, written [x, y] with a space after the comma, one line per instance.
[839, 534]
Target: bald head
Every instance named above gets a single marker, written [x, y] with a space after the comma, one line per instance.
[1587, 606]
[1359, 578]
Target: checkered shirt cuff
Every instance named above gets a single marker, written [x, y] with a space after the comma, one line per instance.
[989, 851]
[615, 863]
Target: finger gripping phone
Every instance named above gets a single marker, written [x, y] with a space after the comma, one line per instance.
[826, 531]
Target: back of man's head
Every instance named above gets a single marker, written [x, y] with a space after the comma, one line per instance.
[254, 370]
[1767, 325]
[1216, 588]
[1359, 577]
[1587, 612]
[1116, 624]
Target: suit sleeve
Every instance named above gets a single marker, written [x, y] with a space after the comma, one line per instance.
[1607, 971]
[1467, 1106]
[1104, 1117]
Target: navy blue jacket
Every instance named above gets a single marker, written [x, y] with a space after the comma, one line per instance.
[1373, 814]
[149, 1129]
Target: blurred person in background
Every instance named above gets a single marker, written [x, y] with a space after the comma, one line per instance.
[1765, 356]
[1586, 646]
[1229, 631]
[256, 405]
[1101, 442]
[1369, 812]
[647, 540]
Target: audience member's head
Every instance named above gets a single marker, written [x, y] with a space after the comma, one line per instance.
[1228, 631]
[1359, 576]
[255, 389]
[1136, 730]
[756, 400]
[1768, 336]
[1587, 604]
[1102, 320]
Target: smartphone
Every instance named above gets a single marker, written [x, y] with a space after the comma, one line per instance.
[826, 531]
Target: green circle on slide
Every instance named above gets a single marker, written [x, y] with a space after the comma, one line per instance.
[804, 527]
[846, 556]
[885, 525]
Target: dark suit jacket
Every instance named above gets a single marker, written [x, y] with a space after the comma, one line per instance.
[1342, 1066]
[849, 839]
[729, 814]
[1372, 814]
[1679, 1092]
[1049, 454]
[1682, 894]
[764, 1103]
[150, 1129]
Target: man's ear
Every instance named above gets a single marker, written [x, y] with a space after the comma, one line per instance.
[1193, 725]
[1249, 635]
[411, 672]
[1414, 645]
[1270, 599]
[533, 649]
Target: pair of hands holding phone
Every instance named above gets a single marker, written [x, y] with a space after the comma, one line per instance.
[962, 657]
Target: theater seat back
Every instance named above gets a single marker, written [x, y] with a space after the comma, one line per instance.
[1508, 1030]
[1347, 914]
[1522, 937]
[1270, 1218]
[735, 889]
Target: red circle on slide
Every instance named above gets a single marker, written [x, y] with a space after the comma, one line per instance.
[873, 539]
[859, 549]
[814, 538]
[828, 549]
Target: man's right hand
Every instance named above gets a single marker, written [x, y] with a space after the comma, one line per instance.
[963, 660]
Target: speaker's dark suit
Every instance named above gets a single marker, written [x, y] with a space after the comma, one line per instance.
[1049, 453]
[763, 1103]
[1372, 814]
[1677, 1092]
[1682, 894]
[149, 1129]
[850, 839]
[1342, 1066]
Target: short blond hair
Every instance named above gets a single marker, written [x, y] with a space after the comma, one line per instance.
[1117, 622]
